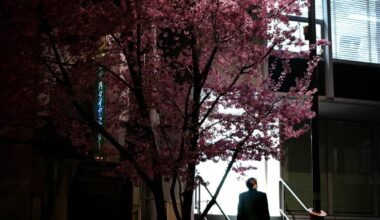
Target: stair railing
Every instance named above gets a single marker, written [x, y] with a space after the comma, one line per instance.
[284, 186]
[201, 182]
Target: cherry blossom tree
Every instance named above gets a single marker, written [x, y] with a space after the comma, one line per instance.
[187, 77]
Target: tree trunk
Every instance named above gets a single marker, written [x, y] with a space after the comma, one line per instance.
[159, 199]
[188, 194]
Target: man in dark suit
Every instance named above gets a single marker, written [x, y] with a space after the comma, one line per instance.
[253, 204]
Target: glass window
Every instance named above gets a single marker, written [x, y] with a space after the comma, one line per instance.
[376, 138]
[299, 34]
[298, 170]
[318, 10]
[350, 151]
[355, 26]
[301, 22]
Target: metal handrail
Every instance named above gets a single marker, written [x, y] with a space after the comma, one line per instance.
[294, 195]
[203, 183]
[282, 201]
[283, 214]
[282, 197]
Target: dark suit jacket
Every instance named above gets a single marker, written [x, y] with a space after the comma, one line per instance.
[253, 205]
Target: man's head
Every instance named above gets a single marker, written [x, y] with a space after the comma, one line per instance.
[251, 183]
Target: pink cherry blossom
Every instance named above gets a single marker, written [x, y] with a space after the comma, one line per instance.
[185, 78]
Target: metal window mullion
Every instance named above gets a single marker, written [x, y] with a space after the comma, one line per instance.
[369, 34]
[328, 54]
[304, 19]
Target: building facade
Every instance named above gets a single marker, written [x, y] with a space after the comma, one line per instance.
[349, 113]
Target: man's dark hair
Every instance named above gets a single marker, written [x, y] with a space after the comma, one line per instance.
[249, 183]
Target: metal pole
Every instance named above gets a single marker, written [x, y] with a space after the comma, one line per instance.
[327, 50]
[199, 201]
[282, 200]
[316, 178]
